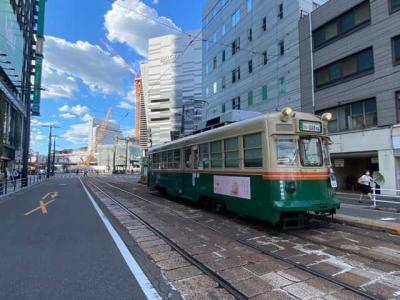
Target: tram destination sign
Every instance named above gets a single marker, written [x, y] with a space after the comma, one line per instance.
[309, 126]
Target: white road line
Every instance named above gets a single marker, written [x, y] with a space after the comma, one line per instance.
[137, 272]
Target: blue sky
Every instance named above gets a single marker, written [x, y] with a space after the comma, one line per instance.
[83, 77]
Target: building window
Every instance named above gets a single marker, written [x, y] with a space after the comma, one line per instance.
[215, 38]
[207, 68]
[282, 48]
[216, 154]
[236, 103]
[252, 147]
[235, 46]
[250, 35]
[396, 50]
[249, 5]
[235, 18]
[353, 116]
[352, 20]
[250, 98]
[236, 75]
[394, 5]
[250, 63]
[280, 11]
[282, 87]
[264, 24]
[231, 153]
[223, 82]
[215, 87]
[214, 62]
[223, 108]
[264, 92]
[348, 68]
[265, 57]
[223, 30]
[207, 92]
[223, 3]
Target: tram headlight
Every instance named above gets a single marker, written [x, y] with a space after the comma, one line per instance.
[290, 187]
[327, 117]
[288, 112]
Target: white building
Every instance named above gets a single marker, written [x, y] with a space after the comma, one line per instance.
[113, 130]
[172, 85]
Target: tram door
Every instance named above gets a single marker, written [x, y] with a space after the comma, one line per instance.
[190, 186]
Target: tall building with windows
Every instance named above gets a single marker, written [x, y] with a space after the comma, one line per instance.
[251, 54]
[172, 86]
[351, 68]
[112, 131]
[21, 55]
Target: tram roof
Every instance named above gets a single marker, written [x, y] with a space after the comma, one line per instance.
[188, 140]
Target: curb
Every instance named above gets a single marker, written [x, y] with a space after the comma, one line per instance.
[367, 223]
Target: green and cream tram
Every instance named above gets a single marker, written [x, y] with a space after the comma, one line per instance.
[268, 167]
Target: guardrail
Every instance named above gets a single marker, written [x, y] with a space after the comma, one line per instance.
[381, 197]
[9, 186]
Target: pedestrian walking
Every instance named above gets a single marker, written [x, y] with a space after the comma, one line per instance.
[365, 182]
[85, 173]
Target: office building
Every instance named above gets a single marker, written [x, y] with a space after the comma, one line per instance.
[251, 54]
[112, 131]
[172, 86]
[21, 55]
[351, 68]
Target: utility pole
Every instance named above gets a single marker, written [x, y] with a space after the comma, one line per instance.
[49, 151]
[54, 156]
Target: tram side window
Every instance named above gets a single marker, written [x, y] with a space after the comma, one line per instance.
[286, 152]
[204, 161]
[164, 160]
[252, 145]
[170, 157]
[232, 153]
[216, 154]
[156, 161]
[177, 159]
[188, 158]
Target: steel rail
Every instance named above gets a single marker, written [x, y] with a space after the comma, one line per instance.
[207, 271]
[300, 266]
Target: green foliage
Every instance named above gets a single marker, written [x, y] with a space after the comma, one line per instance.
[378, 177]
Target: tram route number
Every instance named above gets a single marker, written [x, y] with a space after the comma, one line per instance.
[310, 126]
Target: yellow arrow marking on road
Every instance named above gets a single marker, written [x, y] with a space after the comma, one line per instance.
[43, 205]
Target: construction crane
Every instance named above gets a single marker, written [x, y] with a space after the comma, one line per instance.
[99, 138]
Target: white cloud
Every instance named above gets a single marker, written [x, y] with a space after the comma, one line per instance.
[125, 105]
[131, 96]
[133, 23]
[87, 118]
[70, 112]
[65, 61]
[58, 84]
[36, 122]
[77, 134]
[37, 136]
[156, 2]
[67, 116]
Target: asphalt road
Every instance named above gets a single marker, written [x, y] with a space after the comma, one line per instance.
[364, 211]
[64, 254]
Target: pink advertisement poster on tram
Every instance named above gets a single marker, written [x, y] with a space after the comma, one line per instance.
[232, 186]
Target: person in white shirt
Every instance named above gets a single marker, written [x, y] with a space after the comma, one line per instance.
[366, 182]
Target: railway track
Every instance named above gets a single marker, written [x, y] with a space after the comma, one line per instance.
[246, 243]
[206, 270]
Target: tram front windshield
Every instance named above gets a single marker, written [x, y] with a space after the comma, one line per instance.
[311, 152]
